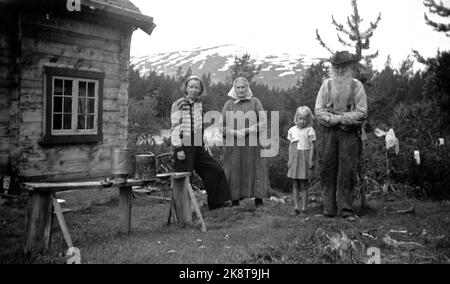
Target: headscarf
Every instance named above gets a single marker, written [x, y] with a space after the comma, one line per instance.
[233, 94]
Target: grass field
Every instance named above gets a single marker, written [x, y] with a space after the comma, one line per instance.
[244, 234]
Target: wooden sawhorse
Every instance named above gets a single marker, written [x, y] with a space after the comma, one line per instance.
[39, 213]
[183, 201]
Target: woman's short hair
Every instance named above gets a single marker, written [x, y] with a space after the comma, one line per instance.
[302, 111]
[195, 78]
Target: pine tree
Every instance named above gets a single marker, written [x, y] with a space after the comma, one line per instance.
[187, 75]
[243, 68]
[309, 85]
[359, 40]
[440, 10]
[179, 74]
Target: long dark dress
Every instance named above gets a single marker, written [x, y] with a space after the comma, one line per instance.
[244, 167]
[198, 159]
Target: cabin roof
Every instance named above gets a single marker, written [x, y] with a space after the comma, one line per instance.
[123, 10]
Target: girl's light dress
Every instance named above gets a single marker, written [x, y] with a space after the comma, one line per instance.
[301, 141]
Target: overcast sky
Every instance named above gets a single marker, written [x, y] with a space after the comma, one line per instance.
[284, 26]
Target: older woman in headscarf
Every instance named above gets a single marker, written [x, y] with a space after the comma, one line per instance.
[189, 149]
[244, 167]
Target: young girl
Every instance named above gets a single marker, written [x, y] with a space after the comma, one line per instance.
[301, 155]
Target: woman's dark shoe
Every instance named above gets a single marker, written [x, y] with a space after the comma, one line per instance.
[235, 203]
[227, 203]
[258, 202]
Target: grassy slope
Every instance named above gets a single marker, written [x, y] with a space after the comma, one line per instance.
[236, 235]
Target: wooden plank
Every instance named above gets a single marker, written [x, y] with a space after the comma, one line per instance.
[4, 116]
[68, 176]
[179, 175]
[31, 130]
[62, 223]
[35, 70]
[4, 133]
[125, 208]
[196, 208]
[183, 209]
[55, 34]
[57, 49]
[31, 115]
[87, 185]
[72, 25]
[38, 222]
[38, 85]
[65, 170]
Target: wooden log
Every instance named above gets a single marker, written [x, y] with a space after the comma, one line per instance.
[62, 223]
[69, 25]
[57, 49]
[125, 209]
[183, 209]
[38, 222]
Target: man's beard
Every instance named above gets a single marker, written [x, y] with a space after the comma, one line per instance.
[339, 78]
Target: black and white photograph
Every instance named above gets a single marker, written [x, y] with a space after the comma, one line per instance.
[238, 133]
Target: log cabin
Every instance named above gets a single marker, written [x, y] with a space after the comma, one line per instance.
[64, 86]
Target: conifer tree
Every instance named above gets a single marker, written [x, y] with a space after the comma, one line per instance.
[358, 39]
[440, 10]
[243, 68]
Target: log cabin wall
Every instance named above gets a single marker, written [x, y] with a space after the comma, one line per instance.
[8, 86]
[82, 42]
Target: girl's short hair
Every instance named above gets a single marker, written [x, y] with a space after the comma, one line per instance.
[302, 111]
[193, 78]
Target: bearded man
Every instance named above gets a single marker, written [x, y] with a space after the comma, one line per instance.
[341, 107]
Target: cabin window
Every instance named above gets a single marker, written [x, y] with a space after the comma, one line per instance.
[73, 106]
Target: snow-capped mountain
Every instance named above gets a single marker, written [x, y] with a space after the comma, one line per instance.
[281, 70]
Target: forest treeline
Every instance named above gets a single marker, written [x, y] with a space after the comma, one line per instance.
[414, 102]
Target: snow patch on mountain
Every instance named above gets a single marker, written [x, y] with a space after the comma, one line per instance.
[281, 70]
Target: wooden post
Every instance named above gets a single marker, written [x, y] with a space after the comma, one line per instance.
[38, 222]
[62, 223]
[183, 209]
[125, 209]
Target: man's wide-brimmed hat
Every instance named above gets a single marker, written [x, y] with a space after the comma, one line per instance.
[342, 58]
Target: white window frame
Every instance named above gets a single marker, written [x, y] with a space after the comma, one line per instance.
[74, 122]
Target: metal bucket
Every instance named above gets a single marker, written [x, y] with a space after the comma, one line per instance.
[122, 164]
[145, 166]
